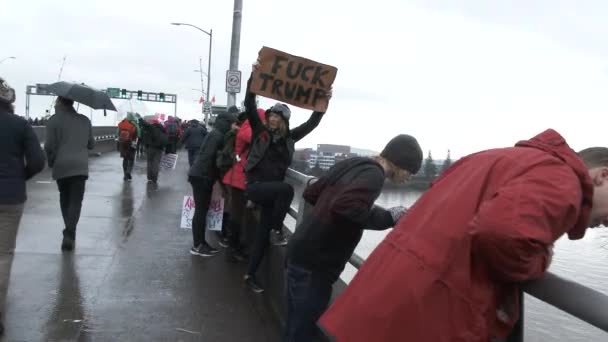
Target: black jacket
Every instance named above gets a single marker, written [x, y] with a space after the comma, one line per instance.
[154, 135]
[343, 203]
[21, 157]
[205, 163]
[261, 136]
[194, 136]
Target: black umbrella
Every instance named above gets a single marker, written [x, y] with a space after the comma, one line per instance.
[82, 93]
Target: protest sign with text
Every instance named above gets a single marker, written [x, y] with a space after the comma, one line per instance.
[291, 79]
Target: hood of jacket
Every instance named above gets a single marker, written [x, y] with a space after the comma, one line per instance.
[223, 122]
[552, 142]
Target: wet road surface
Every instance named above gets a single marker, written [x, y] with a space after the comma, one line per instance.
[130, 277]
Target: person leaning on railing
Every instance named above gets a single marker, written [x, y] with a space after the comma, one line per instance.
[269, 158]
[453, 267]
[323, 242]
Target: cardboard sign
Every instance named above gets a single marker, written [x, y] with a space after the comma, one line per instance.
[168, 161]
[187, 212]
[291, 79]
[215, 215]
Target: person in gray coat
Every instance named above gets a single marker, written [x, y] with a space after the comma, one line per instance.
[69, 137]
[20, 159]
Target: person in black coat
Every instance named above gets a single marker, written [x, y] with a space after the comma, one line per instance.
[193, 139]
[202, 175]
[21, 157]
[271, 153]
[326, 238]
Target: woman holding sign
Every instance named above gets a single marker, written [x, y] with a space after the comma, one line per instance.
[271, 153]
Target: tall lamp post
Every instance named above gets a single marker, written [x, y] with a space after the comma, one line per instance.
[11, 57]
[210, 34]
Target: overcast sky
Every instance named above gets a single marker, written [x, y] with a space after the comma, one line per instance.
[461, 75]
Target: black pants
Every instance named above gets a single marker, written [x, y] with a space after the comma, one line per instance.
[172, 146]
[192, 153]
[308, 296]
[71, 193]
[275, 199]
[241, 220]
[154, 155]
[127, 166]
[202, 188]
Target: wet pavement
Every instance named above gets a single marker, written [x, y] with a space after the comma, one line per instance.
[130, 277]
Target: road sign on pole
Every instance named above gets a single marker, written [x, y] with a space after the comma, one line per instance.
[233, 81]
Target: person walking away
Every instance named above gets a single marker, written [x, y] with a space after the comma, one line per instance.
[270, 155]
[128, 132]
[69, 138]
[173, 132]
[202, 175]
[193, 138]
[326, 238]
[235, 181]
[155, 140]
[21, 158]
[461, 254]
[140, 139]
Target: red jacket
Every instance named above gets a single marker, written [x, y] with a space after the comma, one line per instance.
[235, 176]
[449, 271]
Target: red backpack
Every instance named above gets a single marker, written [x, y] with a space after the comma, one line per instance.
[126, 131]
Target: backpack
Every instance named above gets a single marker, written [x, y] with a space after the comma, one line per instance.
[126, 131]
[225, 156]
[172, 129]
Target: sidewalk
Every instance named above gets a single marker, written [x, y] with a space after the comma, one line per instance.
[131, 277]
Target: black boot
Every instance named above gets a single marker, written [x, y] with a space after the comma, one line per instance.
[67, 244]
[1, 327]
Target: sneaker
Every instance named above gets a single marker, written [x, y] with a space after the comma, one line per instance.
[253, 284]
[223, 242]
[67, 244]
[279, 238]
[203, 250]
[235, 256]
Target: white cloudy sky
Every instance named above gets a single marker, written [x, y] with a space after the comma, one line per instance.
[464, 75]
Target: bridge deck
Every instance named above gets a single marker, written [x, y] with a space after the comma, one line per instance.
[131, 277]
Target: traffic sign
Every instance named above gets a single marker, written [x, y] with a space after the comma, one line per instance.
[233, 81]
[113, 92]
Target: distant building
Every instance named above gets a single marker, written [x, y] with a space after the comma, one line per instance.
[332, 149]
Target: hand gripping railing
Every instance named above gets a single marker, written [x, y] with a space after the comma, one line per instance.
[582, 302]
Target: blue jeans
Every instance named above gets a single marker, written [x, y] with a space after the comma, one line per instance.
[308, 296]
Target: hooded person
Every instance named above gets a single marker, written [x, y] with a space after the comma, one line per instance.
[155, 139]
[235, 180]
[193, 138]
[271, 153]
[486, 226]
[326, 238]
[69, 138]
[21, 158]
[202, 175]
[173, 134]
[128, 133]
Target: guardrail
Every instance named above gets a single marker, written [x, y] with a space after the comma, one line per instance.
[582, 302]
[104, 138]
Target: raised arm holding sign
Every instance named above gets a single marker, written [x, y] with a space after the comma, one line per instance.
[291, 79]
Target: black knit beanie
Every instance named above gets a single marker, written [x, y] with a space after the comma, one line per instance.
[405, 152]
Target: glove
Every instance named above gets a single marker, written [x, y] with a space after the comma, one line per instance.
[397, 212]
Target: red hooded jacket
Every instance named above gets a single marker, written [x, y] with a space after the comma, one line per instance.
[451, 269]
[235, 176]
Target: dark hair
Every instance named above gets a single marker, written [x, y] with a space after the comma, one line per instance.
[594, 157]
[7, 107]
[65, 101]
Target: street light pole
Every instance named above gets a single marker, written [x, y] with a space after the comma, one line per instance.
[210, 34]
[235, 44]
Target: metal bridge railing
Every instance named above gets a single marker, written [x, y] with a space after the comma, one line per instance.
[582, 302]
